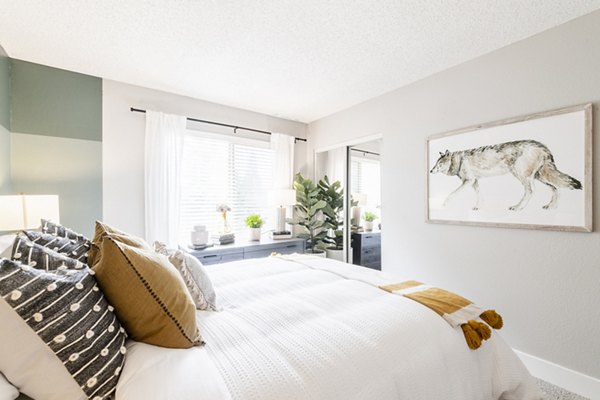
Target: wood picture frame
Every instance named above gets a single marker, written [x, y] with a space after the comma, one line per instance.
[518, 172]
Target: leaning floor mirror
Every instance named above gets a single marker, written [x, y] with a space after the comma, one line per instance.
[349, 180]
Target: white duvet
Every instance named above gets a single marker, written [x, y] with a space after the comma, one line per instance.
[311, 328]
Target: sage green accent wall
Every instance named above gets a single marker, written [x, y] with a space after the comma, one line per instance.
[54, 102]
[71, 168]
[56, 139]
[5, 179]
[5, 184]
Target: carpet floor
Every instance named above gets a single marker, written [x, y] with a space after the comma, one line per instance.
[552, 392]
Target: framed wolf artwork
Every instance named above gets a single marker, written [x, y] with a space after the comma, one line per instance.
[529, 172]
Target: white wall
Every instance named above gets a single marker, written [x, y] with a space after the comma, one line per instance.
[123, 143]
[545, 284]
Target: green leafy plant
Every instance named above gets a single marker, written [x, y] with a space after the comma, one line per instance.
[370, 217]
[333, 195]
[254, 221]
[308, 210]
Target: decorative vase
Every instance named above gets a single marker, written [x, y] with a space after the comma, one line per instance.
[254, 234]
[226, 227]
[368, 226]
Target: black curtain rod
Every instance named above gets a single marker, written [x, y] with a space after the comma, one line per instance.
[365, 151]
[235, 127]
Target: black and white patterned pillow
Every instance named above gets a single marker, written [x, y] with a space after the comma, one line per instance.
[69, 313]
[65, 246]
[40, 257]
[59, 230]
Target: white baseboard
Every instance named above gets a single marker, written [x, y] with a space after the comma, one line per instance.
[573, 381]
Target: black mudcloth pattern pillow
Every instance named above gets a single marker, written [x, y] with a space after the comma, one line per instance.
[62, 231]
[71, 316]
[65, 246]
[40, 257]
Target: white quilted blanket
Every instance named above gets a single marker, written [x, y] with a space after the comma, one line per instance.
[313, 329]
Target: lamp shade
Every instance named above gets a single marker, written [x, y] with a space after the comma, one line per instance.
[361, 198]
[26, 211]
[282, 197]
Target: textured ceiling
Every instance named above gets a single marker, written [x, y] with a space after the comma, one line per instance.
[300, 60]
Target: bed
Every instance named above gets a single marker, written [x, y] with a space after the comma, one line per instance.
[311, 328]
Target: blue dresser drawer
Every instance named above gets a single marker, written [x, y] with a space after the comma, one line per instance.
[209, 259]
[248, 250]
[266, 251]
[291, 248]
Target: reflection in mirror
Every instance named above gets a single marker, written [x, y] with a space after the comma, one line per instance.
[365, 187]
[330, 175]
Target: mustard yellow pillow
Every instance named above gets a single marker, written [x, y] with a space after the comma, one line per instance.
[148, 293]
[101, 230]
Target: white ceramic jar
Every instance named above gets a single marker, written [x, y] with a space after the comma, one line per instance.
[199, 235]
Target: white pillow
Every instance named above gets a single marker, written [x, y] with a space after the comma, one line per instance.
[194, 275]
[7, 391]
[6, 243]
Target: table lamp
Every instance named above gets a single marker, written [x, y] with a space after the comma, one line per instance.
[282, 198]
[361, 200]
[25, 211]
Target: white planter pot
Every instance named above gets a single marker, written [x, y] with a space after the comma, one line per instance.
[335, 254]
[317, 253]
[368, 226]
[254, 234]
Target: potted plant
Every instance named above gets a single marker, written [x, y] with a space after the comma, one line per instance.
[369, 218]
[254, 222]
[308, 214]
[333, 195]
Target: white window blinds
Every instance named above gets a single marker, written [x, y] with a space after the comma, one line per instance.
[366, 179]
[218, 171]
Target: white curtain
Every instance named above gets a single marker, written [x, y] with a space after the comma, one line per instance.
[283, 169]
[162, 175]
[283, 160]
[336, 165]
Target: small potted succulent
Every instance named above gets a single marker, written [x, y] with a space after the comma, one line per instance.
[369, 218]
[254, 222]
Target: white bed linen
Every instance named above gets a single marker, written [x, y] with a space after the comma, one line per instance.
[303, 330]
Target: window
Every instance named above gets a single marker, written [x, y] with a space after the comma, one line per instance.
[366, 179]
[217, 170]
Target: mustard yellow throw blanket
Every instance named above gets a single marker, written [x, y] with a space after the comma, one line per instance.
[456, 310]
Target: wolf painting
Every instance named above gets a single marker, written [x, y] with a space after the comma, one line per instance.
[526, 160]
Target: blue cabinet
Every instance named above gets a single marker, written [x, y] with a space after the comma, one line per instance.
[366, 249]
[248, 250]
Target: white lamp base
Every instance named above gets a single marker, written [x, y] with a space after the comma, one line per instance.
[281, 222]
